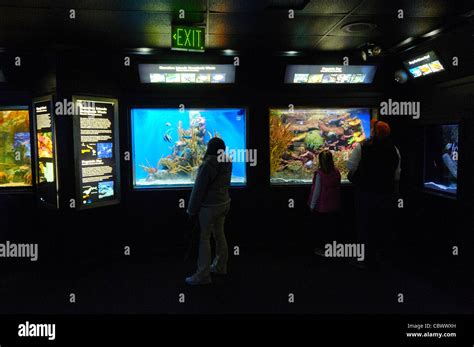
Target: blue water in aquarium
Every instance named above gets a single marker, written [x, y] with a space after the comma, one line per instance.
[155, 134]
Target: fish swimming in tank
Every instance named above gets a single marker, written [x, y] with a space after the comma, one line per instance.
[167, 137]
[179, 151]
[441, 158]
[297, 138]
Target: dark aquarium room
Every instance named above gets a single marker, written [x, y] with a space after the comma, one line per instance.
[190, 164]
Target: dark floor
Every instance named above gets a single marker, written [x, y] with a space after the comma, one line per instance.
[257, 283]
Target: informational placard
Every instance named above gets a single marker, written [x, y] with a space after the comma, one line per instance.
[187, 38]
[96, 151]
[45, 141]
[330, 74]
[187, 73]
[423, 65]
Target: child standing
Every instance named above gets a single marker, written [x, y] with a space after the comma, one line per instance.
[325, 199]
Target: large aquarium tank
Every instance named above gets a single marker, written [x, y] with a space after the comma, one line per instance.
[298, 136]
[168, 144]
[441, 158]
[15, 148]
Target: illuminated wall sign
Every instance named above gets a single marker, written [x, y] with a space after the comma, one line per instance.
[96, 151]
[330, 74]
[186, 38]
[423, 65]
[184, 73]
[46, 162]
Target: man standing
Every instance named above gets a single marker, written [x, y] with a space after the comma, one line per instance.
[374, 168]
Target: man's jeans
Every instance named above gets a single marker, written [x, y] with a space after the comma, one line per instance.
[211, 220]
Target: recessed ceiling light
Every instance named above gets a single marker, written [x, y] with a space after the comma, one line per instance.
[229, 52]
[406, 42]
[291, 53]
[432, 33]
[358, 28]
[144, 50]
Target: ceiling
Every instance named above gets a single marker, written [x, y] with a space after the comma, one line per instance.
[232, 24]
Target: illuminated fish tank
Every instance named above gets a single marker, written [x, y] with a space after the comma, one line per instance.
[298, 136]
[15, 148]
[441, 158]
[168, 144]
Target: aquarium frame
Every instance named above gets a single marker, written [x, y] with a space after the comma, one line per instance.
[50, 99]
[22, 189]
[432, 191]
[116, 142]
[170, 106]
[348, 183]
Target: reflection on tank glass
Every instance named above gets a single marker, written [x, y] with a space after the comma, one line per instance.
[298, 136]
[169, 144]
[15, 149]
[441, 158]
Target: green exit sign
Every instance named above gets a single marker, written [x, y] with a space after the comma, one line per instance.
[187, 38]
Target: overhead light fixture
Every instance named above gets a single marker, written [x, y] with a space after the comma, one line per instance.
[291, 53]
[358, 27]
[370, 50]
[144, 50]
[230, 52]
[432, 33]
[406, 42]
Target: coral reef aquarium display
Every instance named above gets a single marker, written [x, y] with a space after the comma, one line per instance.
[169, 144]
[15, 148]
[298, 136]
[441, 158]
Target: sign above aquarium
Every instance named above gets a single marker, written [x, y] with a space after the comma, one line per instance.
[423, 65]
[330, 74]
[188, 38]
[187, 73]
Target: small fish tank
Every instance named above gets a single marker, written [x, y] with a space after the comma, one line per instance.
[168, 144]
[298, 136]
[15, 148]
[441, 158]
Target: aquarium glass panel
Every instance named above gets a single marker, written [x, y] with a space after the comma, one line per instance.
[297, 138]
[168, 144]
[441, 158]
[15, 148]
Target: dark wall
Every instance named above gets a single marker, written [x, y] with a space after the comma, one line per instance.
[151, 221]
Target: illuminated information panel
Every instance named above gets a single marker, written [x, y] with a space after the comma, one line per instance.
[187, 73]
[46, 165]
[330, 74]
[424, 65]
[96, 148]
